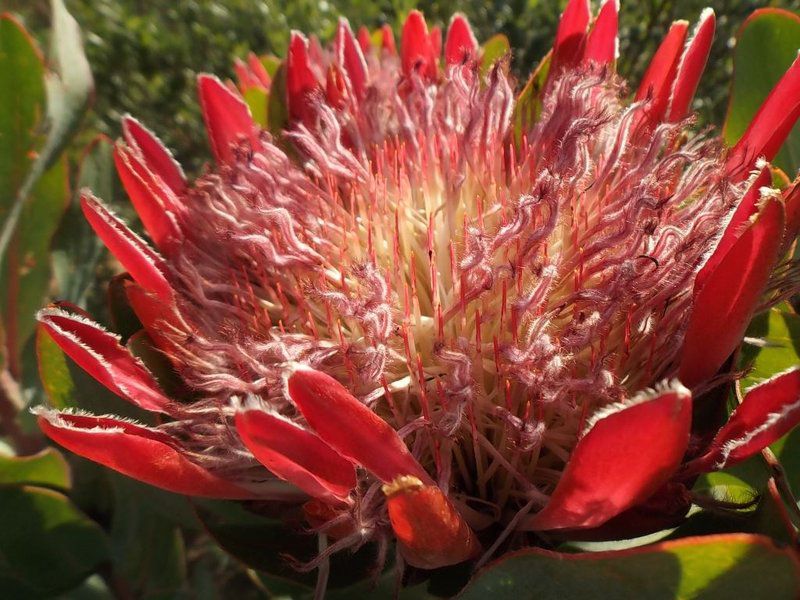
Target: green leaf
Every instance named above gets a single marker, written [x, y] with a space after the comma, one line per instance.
[22, 106]
[68, 91]
[259, 541]
[271, 63]
[529, 102]
[787, 451]
[46, 468]
[54, 372]
[26, 271]
[720, 566]
[263, 536]
[77, 251]
[94, 588]
[257, 100]
[766, 45]
[771, 345]
[277, 110]
[46, 544]
[147, 548]
[494, 49]
[69, 86]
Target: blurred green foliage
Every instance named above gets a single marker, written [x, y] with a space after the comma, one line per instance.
[146, 53]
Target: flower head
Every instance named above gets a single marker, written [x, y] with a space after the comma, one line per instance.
[440, 312]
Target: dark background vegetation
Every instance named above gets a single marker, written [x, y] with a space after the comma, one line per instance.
[145, 53]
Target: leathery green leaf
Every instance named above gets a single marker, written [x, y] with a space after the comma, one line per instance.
[766, 45]
[46, 468]
[709, 567]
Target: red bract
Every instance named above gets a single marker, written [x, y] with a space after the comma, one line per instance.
[506, 329]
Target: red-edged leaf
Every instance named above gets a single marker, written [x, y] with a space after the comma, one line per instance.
[301, 83]
[349, 55]
[227, 117]
[657, 81]
[710, 567]
[768, 411]
[429, 530]
[602, 44]
[350, 427]
[724, 305]
[771, 125]
[296, 455]
[154, 154]
[691, 66]
[461, 44]
[144, 265]
[571, 34]
[622, 460]
[100, 354]
[150, 197]
[140, 452]
[416, 51]
[748, 206]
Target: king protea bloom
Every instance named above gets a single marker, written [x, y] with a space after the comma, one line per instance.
[437, 314]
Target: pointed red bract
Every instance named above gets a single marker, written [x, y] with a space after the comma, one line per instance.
[768, 411]
[571, 34]
[601, 45]
[150, 197]
[435, 36]
[748, 206]
[258, 71]
[350, 427]
[136, 451]
[296, 455]
[335, 87]
[100, 354]
[657, 81]
[691, 66]
[301, 83]
[416, 51]
[158, 318]
[461, 44]
[351, 58]
[144, 265]
[227, 118]
[624, 458]
[154, 154]
[364, 39]
[246, 80]
[429, 530]
[723, 306]
[387, 40]
[771, 125]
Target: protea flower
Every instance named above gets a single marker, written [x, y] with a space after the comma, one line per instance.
[436, 315]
